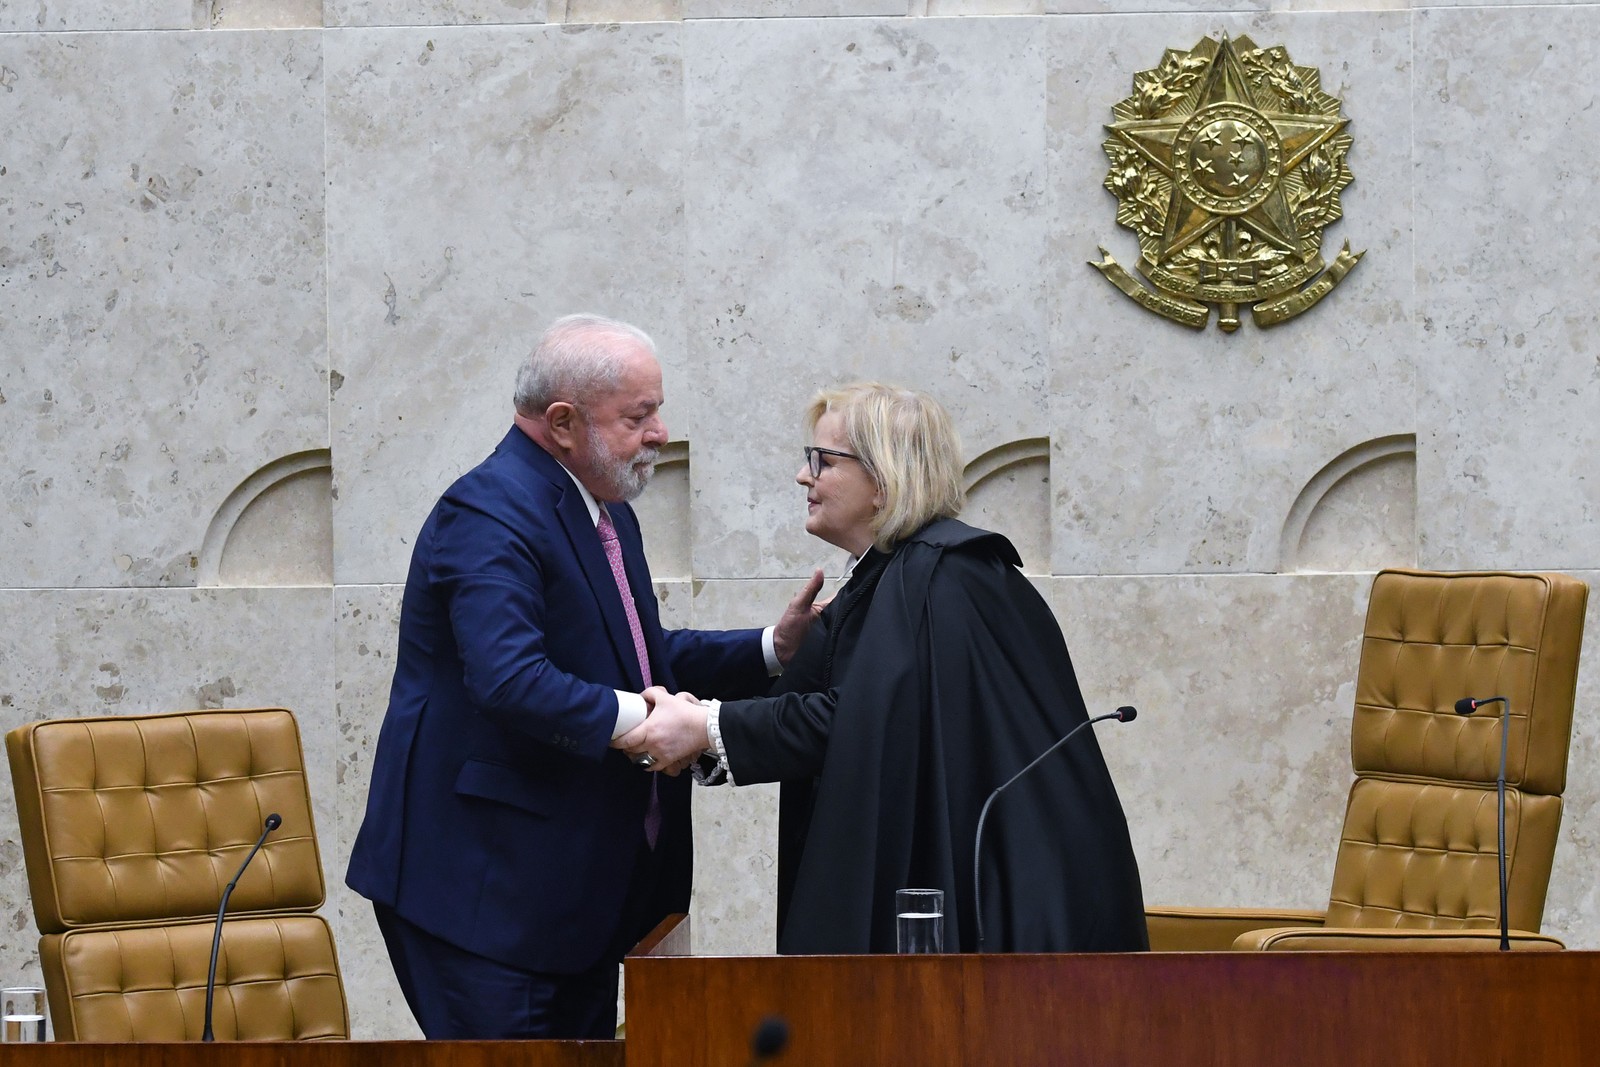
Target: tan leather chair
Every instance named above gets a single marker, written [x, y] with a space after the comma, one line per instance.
[131, 828]
[1417, 866]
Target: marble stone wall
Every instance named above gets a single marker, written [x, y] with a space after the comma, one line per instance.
[266, 267]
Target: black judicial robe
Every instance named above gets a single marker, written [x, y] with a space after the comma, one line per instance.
[936, 674]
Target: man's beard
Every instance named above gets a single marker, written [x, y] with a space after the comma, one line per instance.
[621, 472]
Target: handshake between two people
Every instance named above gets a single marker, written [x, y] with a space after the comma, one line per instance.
[672, 736]
[674, 733]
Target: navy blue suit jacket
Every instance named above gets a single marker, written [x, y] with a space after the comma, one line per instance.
[498, 818]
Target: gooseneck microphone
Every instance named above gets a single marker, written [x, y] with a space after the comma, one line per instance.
[1126, 713]
[1466, 706]
[272, 823]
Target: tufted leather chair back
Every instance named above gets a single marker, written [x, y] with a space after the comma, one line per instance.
[1418, 850]
[131, 828]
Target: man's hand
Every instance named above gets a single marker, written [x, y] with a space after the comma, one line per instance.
[673, 735]
[797, 619]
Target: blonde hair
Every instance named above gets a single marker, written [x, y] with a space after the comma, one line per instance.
[908, 444]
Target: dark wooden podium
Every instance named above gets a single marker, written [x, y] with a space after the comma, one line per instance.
[1229, 1009]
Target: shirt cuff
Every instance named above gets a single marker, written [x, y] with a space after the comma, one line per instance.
[631, 710]
[714, 731]
[770, 651]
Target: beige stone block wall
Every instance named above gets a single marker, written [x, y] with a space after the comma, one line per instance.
[266, 267]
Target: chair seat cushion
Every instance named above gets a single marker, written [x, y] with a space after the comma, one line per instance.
[277, 979]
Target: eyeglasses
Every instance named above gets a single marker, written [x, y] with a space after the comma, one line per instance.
[814, 456]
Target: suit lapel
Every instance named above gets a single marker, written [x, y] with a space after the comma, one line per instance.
[597, 570]
[573, 514]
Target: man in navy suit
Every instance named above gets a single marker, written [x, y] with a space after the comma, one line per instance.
[511, 855]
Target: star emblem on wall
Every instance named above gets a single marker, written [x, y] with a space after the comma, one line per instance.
[1227, 162]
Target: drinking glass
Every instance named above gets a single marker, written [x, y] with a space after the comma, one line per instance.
[22, 1013]
[919, 920]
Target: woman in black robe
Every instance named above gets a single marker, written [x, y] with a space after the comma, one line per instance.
[933, 676]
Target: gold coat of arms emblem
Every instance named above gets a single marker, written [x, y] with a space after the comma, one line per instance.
[1227, 162]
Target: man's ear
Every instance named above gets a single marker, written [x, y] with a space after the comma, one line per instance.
[564, 424]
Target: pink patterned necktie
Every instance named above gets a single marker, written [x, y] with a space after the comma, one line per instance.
[608, 541]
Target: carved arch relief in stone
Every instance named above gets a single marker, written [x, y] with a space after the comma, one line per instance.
[1008, 490]
[1358, 513]
[276, 528]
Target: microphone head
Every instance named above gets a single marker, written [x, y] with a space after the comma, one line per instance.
[274, 821]
[1466, 706]
[1127, 713]
[770, 1037]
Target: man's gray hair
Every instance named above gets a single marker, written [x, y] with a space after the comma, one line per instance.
[577, 358]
